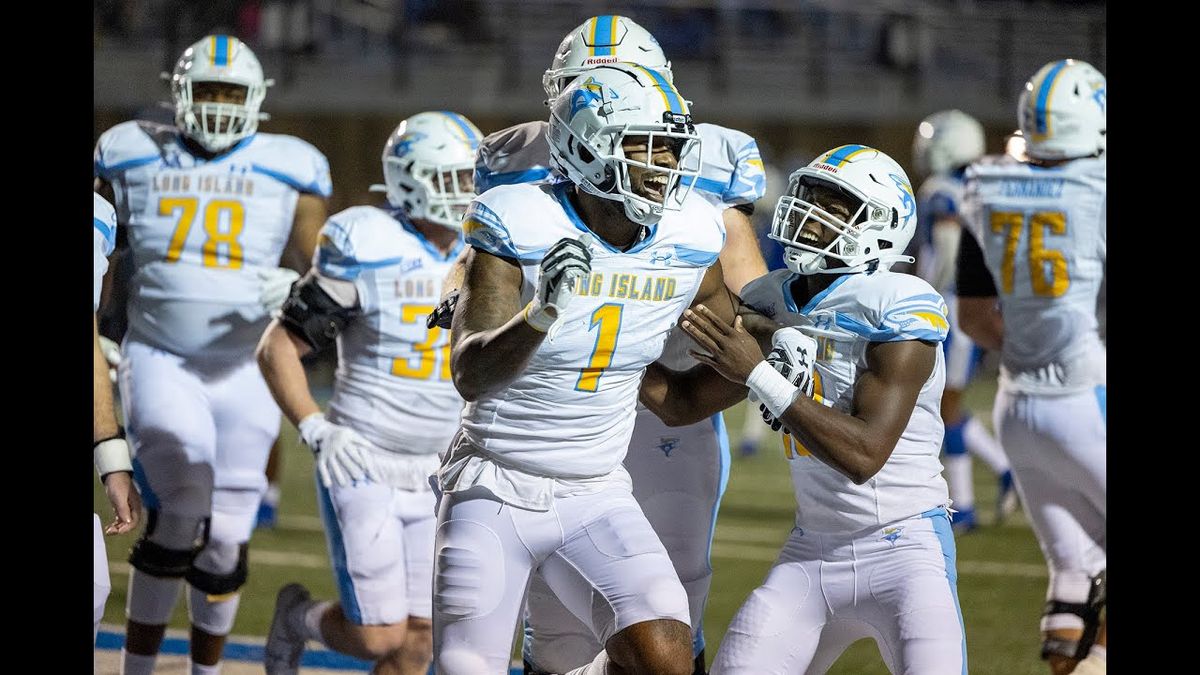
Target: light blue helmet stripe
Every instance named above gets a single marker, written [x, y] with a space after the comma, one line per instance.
[221, 57]
[674, 102]
[462, 123]
[842, 153]
[604, 35]
[1043, 96]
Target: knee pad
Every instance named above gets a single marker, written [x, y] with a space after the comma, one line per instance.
[214, 614]
[231, 568]
[1088, 611]
[168, 545]
[953, 442]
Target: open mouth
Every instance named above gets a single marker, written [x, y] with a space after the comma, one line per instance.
[810, 237]
[654, 188]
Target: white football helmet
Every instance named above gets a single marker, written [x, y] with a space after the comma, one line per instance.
[592, 117]
[1062, 111]
[877, 230]
[218, 58]
[947, 140]
[429, 165]
[603, 40]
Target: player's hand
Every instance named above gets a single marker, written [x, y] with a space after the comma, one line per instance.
[343, 456]
[792, 356]
[444, 314]
[275, 283]
[112, 353]
[729, 350]
[565, 264]
[126, 503]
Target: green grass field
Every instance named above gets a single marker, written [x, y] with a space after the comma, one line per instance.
[1002, 578]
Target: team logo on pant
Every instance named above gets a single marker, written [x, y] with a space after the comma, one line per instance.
[891, 534]
[666, 445]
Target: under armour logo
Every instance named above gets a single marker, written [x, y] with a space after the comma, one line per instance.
[660, 258]
[666, 445]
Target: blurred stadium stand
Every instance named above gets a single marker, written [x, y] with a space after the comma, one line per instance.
[800, 75]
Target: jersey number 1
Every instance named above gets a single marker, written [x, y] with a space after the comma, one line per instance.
[235, 214]
[608, 318]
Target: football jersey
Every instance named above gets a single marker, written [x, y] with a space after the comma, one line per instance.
[393, 376]
[938, 198]
[104, 239]
[845, 318]
[731, 174]
[570, 413]
[200, 230]
[1042, 232]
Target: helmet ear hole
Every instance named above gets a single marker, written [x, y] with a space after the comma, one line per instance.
[584, 154]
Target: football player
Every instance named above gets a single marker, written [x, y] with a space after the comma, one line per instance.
[212, 209]
[1028, 281]
[377, 275]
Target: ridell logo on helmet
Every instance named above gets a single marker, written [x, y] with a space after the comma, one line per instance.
[681, 120]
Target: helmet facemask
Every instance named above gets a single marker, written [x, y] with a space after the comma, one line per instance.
[216, 126]
[609, 174]
[438, 193]
[855, 252]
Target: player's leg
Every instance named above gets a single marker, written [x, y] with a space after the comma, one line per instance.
[1057, 446]
[778, 628]
[753, 432]
[101, 585]
[679, 475]
[908, 593]
[247, 423]
[370, 548]
[484, 552]
[173, 437]
[954, 447]
[415, 654]
[268, 509]
[613, 573]
[554, 640]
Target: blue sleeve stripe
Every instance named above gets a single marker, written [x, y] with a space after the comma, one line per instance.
[863, 330]
[695, 256]
[104, 230]
[486, 180]
[103, 171]
[346, 267]
[706, 184]
[501, 251]
[313, 187]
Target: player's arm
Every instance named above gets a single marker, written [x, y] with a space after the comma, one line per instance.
[311, 210]
[741, 259]
[318, 308]
[978, 302]
[680, 398]
[492, 336]
[858, 443]
[110, 450]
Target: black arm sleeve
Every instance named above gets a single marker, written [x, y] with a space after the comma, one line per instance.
[972, 279]
[312, 315]
[747, 209]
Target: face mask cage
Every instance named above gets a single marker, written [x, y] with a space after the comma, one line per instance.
[215, 126]
[799, 206]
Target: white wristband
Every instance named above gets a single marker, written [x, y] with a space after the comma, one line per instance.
[537, 317]
[112, 455]
[771, 388]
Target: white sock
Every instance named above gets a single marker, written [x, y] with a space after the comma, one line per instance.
[958, 475]
[598, 666]
[753, 428]
[981, 443]
[272, 495]
[136, 664]
[312, 620]
[198, 669]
